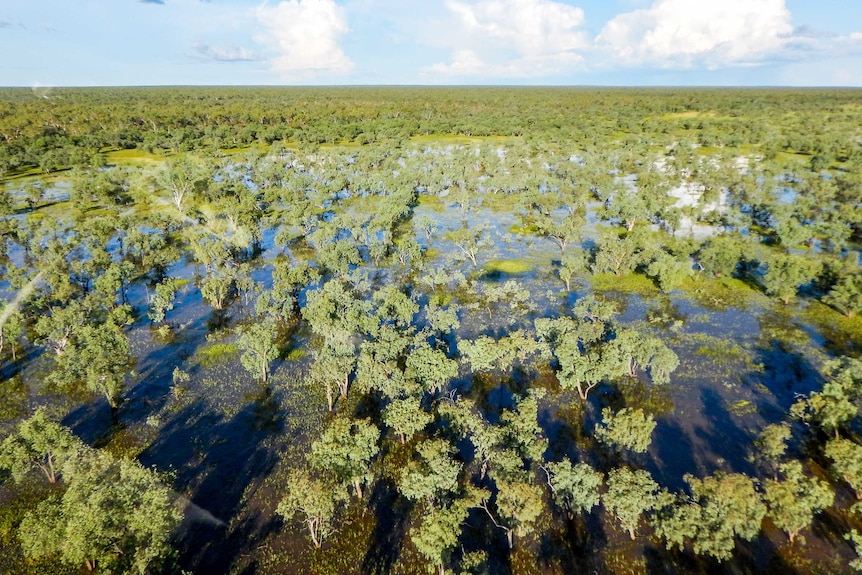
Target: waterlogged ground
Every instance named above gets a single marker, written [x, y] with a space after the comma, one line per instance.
[226, 440]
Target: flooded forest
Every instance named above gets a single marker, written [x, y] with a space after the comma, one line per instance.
[251, 331]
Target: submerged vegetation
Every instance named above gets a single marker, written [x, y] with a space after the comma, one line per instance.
[398, 330]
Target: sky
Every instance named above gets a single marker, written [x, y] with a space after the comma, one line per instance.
[45, 43]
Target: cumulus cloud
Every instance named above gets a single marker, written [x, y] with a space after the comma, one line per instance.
[512, 38]
[710, 33]
[224, 53]
[304, 35]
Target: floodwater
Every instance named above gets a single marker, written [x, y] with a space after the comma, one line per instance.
[225, 437]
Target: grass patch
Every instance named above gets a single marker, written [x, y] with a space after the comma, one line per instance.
[431, 202]
[628, 283]
[842, 333]
[215, 354]
[508, 267]
[718, 294]
[451, 140]
[133, 156]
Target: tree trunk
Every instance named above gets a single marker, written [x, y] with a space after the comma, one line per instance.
[358, 486]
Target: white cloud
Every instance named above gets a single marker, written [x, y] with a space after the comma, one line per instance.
[511, 38]
[304, 35]
[709, 33]
[224, 53]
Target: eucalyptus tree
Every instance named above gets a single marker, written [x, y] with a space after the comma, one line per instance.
[346, 449]
[786, 273]
[620, 254]
[846, 295]
[794, 500]
[574, 488]
[630, 495]
[722, 508]
[628, 428]
[846, 456]
[436, 537]
[162, 299]
[183, 179]
[316, 498]
[470, 242]
[114, 515]
[39, 442]
[831, 407]
[558, 214]
[770, 446]
[435, 476]
[257, 344]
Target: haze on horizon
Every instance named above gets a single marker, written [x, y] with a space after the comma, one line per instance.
[434, 42]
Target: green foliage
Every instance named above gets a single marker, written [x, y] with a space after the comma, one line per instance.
[114, 514]
[846, 295]
[794, 501]
[162, 300]
[630, 495]
[38, 442]
[437, 535]
[315, 499]
[626, 429]
[346, 449]
[575, 488]
[723, 506]
[435, 475]
[406, 417]
[257, 344]
[771, 445]
[846, 459]
[786, 273]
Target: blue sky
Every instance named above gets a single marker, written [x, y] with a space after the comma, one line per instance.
[545, 42]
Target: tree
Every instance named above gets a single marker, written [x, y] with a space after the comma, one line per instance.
[771, 445]
[846, 459]
[668, 271]
[346, 449]
[39, 442]
[406, 417]
[519, 504]
[575, 488]
[437, 535]
[114, 515]
[256, 341]
[316, 499]
[470, 242]
[721, 255]
[794, 501]
[846, 295]
[629, 496]
[434, 476]
[786, 273]
[626, 429]
[182, 178]
[721, 507]
[162, 300]
[11, 328]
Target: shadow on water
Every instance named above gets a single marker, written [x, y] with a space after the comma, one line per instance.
[721, 437]
[393, 521]
[215, 460]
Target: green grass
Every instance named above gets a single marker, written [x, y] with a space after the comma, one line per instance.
[508, 267]
[216, 354]
[133, 156]
[841, 332]
[718, 294]
[628, 283]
